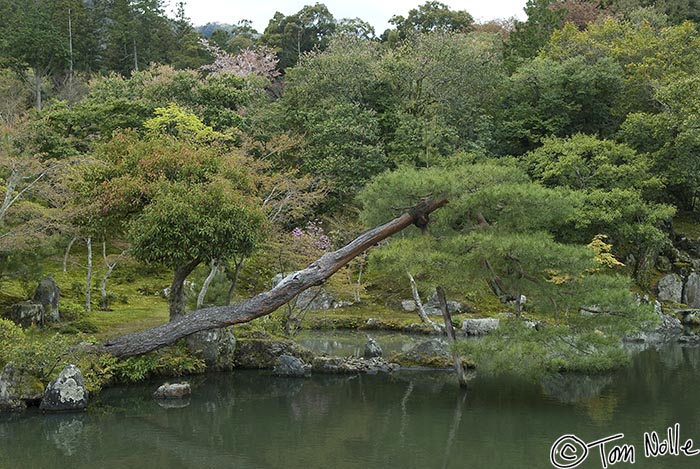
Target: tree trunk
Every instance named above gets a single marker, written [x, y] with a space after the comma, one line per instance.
[65, 256]
[234, 281]
[265, 303]
[88, 287]
[419, 304]
[176, 300]
[214, 267]
[104, 304]
[451, 339]
[37, 78]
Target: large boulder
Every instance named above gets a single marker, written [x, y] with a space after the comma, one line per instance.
[173, 391]
[65, 393]
[670, 288]
[264, 353]
[691, 290]
[216, 346]
[26, 314]
[479, 326]
[291, 367]
[430, 353]
[47, 295]
[17, 388]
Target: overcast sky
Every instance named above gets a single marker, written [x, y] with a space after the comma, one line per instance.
[376, 12]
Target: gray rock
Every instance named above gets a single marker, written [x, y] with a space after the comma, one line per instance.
[65, 393]
[690, 317]
[17, 388]
[216, 346]
[691, 290]
[292, 367]
[408, 305]
[26, 314]
[695, 263]
[670, 288]
[479, 326]
[173, 391]
[352, 365]
[430, 353]
[372, 349]
[264, 353]
[690, 340]
[47, 295]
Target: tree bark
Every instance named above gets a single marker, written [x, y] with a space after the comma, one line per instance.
[88, 286]
[104, 304]
[451, 339]
[234, 281]
[65, 256]
[265, 303]
[214, 267]
[176, 299]
[419, 304]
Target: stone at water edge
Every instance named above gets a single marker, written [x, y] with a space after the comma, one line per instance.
[17, 388]
[372, 349]
[173, 391]
[290, 366]
[65, 393]
[216, 346]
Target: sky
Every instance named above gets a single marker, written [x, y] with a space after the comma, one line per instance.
[376, 12]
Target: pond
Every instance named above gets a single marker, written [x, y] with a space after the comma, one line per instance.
[249, 419]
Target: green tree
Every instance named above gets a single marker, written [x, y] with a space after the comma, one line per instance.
[308, 29]
[185, 225]
[432, 16]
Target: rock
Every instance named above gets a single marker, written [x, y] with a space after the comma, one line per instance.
[431, 353]
[372, 349]
[408, 305]
[691, 290]
[689, 317]
[691, 340]
[173, 391]
[695, 263]
[315, 299]
[47, 295]
[352, 365]
[65, 393]
[17, 388]
[216, 346]
[262, 353]
[663, 264]
[670, 288]
[479, 326]
[292, 367]
[26, 314]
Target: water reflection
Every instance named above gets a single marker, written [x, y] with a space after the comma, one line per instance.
[407, 419]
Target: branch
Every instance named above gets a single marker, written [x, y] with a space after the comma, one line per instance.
[265, 303]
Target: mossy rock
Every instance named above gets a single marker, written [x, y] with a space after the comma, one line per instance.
[431, 353]
[264, 353]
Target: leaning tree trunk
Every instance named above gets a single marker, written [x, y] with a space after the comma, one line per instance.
[265, 303]
[176, 299]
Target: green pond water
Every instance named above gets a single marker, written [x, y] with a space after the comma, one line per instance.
[249, 419]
